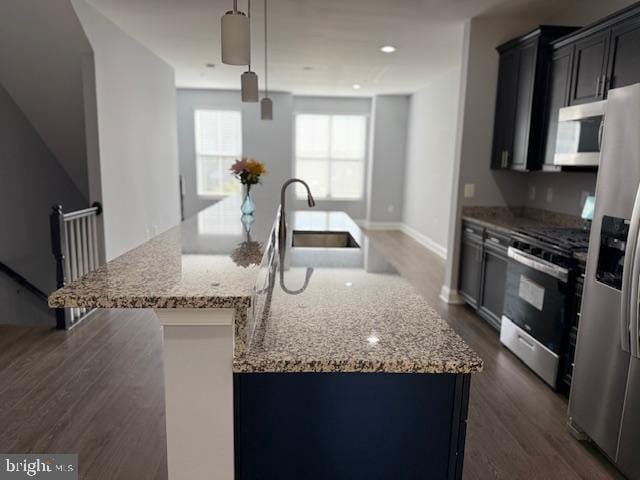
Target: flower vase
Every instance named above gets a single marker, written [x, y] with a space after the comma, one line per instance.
[248, 207]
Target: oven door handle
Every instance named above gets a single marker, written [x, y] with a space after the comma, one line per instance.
[629, 290]
[539, 264]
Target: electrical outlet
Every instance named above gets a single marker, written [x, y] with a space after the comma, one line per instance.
[532, 192]
[549, 195]
[469, 190]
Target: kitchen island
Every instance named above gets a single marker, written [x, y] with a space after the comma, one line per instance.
[311, 359]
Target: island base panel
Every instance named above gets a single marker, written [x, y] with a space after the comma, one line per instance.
[320, 426]
[198, 356]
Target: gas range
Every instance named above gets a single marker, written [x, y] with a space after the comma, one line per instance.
[539, 302]
[555, 245]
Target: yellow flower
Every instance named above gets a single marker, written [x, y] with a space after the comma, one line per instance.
[255, 167]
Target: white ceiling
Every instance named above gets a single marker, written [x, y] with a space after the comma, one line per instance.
[316, 47]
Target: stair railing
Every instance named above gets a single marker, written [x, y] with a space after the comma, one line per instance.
[74, 243]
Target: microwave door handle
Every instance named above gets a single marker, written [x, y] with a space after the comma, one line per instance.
[628, 275]
[633, 305]
[600, 133]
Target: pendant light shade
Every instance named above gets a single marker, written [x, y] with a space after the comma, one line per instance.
[266, 105]
[266, 109]
[249, 83]
[236, 37]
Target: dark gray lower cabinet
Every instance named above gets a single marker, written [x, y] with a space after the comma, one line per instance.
[483, 271]
[470, 268]
[494, 273]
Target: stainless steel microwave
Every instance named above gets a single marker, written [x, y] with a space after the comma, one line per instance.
[579, 135]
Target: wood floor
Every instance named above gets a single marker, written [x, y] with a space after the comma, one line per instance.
[98, 391]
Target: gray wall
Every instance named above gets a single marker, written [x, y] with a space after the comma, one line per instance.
[135, 104]
[42, 52]
[475, 131]
[388, 153]
[268, 141]
[431, 157]
[31, 181]
[560, 192]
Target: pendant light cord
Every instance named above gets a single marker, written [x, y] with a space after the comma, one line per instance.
[249, 17]
[266, 71]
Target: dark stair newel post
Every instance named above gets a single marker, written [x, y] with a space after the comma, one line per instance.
[58, 247]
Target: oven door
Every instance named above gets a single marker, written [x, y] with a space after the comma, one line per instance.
[535, 298]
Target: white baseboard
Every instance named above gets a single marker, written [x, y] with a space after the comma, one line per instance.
[379, 225]
[425, 241]
[450, 296]
[412, 232]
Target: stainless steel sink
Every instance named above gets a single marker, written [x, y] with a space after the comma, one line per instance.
[323, 239]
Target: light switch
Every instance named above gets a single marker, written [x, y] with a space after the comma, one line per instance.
[532, 192]
[469, 190]
[390, 208]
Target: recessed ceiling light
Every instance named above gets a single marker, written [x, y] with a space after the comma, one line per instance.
[388, 49]
[307, 68]
[210, 65]
[356, 86]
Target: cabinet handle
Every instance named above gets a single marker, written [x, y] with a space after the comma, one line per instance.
[598, 82]
[605, 84]
[505, 159]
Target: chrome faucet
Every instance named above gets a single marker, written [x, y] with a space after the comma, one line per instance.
[282, 225]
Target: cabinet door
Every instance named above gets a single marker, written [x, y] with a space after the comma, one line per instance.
[558, 97]
[470, 269]
[624, 55]
[494, 274]
[588, 69]
[526, 80]
[506, 105]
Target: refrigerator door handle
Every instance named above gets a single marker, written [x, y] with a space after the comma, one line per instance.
[630, 278]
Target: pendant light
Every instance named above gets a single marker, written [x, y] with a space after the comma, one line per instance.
[236, 37]
[249, 79]
[266, 105]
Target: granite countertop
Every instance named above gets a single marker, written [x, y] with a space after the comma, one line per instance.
[508, 219]
[201, 263]
[299, 309]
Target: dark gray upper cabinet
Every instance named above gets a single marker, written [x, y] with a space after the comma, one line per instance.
[506, 104]
[590, 60]
[624, 55]
[606, 55]
[523, 78]
[557, 98]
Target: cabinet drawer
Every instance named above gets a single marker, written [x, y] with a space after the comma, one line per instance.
[472, 229]
[497, 239]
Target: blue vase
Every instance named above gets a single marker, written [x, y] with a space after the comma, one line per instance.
[248, 207]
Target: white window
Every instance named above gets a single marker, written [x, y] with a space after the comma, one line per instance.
[218, 145]
[330, 155]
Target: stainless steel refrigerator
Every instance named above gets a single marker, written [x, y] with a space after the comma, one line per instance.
[605, 391]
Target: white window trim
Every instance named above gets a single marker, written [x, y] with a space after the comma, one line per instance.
[365, 159]
[194, 110]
